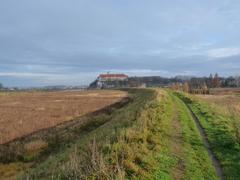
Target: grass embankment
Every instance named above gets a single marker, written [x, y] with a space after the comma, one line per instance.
[153, 137]
[222, 127]
[73, 156]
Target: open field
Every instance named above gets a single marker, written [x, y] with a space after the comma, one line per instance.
[26, 112]
[228, 103]
[157, 134]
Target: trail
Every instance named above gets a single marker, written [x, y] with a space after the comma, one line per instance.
[178, 172]
[215, 162]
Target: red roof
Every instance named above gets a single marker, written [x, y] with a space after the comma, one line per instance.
[113, 76]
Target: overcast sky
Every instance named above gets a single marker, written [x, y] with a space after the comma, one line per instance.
[50, 42]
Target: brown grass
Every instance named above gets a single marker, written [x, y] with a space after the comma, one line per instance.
[229, 102]
[26, 112]
[225, 91]
[8, 172]
[35, 145]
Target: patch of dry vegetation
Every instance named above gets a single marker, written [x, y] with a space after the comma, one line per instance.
[8, 172]
[228, 106]
[26, 112]
[227, 102]
[225, 91]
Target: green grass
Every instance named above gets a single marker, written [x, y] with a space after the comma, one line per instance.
[220, 132]
[133, 142]
[197, 161]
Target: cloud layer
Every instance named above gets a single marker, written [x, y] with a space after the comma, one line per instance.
[70, 42]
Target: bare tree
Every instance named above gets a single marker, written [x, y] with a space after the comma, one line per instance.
[205, 89]
[210, 81]
[216, 81]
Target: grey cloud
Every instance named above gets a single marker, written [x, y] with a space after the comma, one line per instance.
[62, 38]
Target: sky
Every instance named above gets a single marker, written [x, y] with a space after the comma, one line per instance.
[70, 42]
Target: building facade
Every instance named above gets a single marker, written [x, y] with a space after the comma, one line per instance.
[106, 81]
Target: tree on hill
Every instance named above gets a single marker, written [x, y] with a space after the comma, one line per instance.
[1, 86]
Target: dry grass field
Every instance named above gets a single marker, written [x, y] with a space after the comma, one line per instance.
[26, 112]
[225, 91]
[228, 99]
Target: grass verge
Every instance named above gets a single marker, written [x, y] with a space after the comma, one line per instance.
[221, 132]
[196, 159]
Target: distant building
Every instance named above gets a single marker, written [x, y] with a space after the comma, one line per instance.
[112, 77]
[112, 81]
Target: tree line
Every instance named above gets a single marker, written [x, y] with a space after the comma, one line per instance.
[186, 83]
[202, 85]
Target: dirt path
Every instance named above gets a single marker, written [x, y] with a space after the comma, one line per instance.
[215, 162]
[177, 143]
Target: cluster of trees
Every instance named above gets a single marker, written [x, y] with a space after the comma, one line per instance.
[189, 88]
[184, 82]
[231, 81]
[1, 86]
[200, 85]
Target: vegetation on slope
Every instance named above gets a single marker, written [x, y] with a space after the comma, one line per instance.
[153, 137]
[222, 127]
[71, 158]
